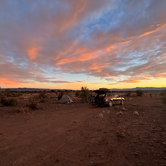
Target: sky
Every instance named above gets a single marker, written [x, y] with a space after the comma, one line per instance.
[67, 44]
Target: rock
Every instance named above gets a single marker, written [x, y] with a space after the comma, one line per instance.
[124, 109]
[136, 113]
[119, 113]
[100, 115]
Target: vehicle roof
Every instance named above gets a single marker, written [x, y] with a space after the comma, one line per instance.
[102, 91]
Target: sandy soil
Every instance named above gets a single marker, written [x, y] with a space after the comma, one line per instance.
[79, 134]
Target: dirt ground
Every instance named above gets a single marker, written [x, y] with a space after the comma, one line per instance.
[78, 134]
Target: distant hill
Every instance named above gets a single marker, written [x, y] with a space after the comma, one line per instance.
[30, 89]
[114, 89]
[141, 88]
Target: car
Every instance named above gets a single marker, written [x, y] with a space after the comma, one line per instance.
[105, 97]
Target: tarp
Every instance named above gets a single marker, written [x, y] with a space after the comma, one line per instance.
[65, 99]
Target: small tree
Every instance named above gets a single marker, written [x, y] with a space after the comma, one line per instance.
[84, 94]
[139, 92]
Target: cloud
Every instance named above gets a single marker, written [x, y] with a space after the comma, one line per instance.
[61, 82]
[6, 81]
[103, 39]
[60, 75]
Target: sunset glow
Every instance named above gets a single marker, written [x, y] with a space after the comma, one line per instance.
[66, 44]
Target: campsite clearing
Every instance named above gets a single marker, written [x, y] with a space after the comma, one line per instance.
[79, 134]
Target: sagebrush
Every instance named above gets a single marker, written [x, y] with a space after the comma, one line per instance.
[32, 104]
[84, 95]
[8, 101]
[128, 94]
[139, 92]
[42, 96]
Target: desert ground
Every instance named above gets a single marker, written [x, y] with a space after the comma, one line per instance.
[79, 134]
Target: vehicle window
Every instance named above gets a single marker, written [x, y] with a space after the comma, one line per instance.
[101, 95]
[110, 95]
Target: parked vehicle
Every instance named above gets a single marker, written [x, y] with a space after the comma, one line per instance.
[105, 97]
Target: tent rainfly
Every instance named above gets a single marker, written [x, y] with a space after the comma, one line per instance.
[65, 99]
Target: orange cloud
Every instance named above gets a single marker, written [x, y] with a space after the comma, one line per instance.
[81, 58]
[33, 52]
[6, 81]
[161, 74]
[60, 75]
[146, 67]
[157, 29]
[97, 67]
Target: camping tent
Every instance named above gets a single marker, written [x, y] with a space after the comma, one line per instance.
[65, 99]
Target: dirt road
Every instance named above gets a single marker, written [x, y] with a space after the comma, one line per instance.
[79, 134]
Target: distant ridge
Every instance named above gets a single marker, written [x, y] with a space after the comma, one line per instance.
[140, 88]
[31, 89]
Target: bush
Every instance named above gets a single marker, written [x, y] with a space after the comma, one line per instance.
[33, 105]
[9, 101]
[60, 95]
[84, 94]
[163, 94]
[77, 94]
[8, 93]
[128, 94]
[42, 95]
[22, 110]
[16, 94]
[139, 92]
[53, 91]
[42, 100]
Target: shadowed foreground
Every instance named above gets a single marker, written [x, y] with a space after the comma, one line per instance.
[79, 134]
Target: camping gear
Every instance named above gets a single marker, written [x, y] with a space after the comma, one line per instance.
[65, 99]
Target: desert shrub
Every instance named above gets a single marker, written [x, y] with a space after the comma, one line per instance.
[8, 101]
[139, 92]
[42, 100]
[32, 104]
[84, 94]
[128, 94]
[16, 94]
[23, 110]
[8, 93]
[53, 91]
[163, 94]
[77, 93]
[60, 95]
[42, 95]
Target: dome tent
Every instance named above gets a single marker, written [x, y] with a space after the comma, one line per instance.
[65, 99]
